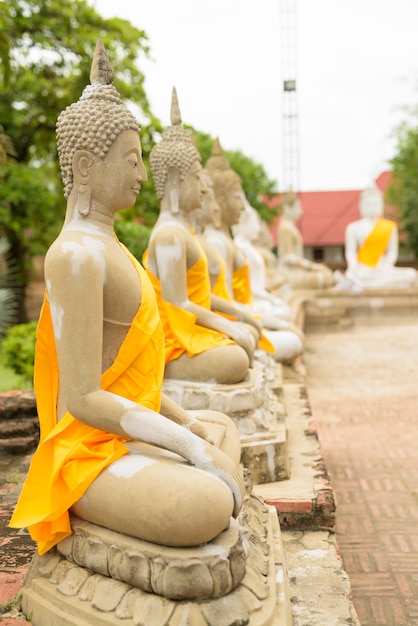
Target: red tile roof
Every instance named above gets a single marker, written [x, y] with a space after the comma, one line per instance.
[327, 213]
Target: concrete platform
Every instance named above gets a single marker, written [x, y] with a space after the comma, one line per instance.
[332, 309]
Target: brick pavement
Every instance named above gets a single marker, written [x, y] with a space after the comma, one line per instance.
[362, 386]
[16, 547]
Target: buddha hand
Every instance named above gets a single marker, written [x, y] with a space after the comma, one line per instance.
[216, 462]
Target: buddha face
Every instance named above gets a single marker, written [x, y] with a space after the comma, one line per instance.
[192, 188]
[116, 179]
[211, 211]
[249, 225]
[235, 205]
[371, 203]
[293, 210]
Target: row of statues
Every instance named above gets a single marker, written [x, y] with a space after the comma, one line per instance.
[114, 450]
[371, 250]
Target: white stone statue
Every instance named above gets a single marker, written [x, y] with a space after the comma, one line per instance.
[245, 232]
[371, 249]
[114, 450]
[229, 195]
[200, 345]
[300, 272]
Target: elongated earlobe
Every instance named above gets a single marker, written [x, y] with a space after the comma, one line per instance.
[83, 199]
[82, 162]
[174, 201]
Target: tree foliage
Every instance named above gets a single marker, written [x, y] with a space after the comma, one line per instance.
[46, 48]
[403, 190]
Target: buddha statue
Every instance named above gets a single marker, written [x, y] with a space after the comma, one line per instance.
[200, 344]
[273, 312]
[371, 248]
[114, 450]
[301, 273]
[245, 232]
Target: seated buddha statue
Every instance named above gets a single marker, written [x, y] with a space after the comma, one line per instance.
[245, 232]
[301, 273]
[371, 248]
[114, 450]
[274, 314]
[200, 344]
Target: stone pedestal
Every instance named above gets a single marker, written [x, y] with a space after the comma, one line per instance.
[98, 576]
[256, 407]
[331, 309]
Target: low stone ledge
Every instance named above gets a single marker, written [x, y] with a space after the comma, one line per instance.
[333, 309]
[19, 424]
[306, 499]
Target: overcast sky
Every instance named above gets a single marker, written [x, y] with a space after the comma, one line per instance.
[357, 67]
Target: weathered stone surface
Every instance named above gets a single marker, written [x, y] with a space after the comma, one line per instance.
[176, 573]
[338, 309]
[71, 595]
[19, 424]
[256, 407]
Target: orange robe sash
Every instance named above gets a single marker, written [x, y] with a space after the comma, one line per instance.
[71, 454]
[241, 284]
[182, 333]
[376, 243]
[220, 287]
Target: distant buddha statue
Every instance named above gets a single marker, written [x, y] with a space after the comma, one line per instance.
[301, 273]
[200, 345]
[114, 450]
[245, 232]
[273, 312]
[371, 248]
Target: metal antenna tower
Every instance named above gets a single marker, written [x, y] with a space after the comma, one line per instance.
[290, 122]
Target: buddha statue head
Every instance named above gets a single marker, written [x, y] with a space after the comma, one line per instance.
[209, 212]
[176, 165]
[249, 225]
[371, 202]
[227, 185]
[291, 207]
[87, 129]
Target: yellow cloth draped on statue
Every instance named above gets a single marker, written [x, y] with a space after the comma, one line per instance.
[182, 333]
[376, 243]
[221, 287]
[71, 454]
[241, 284]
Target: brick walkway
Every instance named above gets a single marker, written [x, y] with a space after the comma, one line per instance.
[362, 385]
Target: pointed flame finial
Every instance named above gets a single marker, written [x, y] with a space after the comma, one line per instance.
[101, 70]
[175, 109]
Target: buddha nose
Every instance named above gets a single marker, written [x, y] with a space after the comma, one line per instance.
[142, 173]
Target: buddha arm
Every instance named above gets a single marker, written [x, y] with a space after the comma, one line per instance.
[76, 284]
[171, 265]
[235, 310]
[391, 255]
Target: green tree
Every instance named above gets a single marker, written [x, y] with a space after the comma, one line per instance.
[46, 47]
[403, 190]
[255, 181]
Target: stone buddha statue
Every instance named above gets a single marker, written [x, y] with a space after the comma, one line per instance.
[200, 344]
[245, 232]
[301, 273]
[114, 451]
[371, 248]
[273, 312]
